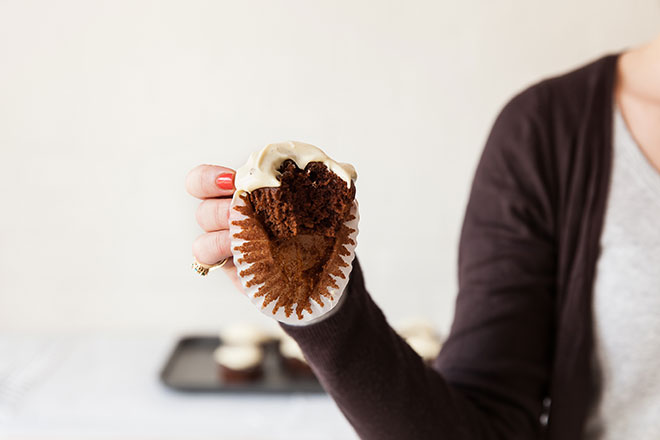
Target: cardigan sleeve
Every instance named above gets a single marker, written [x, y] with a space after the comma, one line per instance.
[491, 376]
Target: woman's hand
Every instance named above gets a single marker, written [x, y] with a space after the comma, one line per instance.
[214, 186]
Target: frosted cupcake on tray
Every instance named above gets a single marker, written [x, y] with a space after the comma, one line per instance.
[239, 363]
[292, 358]
[293, 227]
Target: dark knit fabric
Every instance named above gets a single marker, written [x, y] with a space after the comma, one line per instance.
[522, 331]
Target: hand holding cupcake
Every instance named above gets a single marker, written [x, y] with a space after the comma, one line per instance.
[291, 228]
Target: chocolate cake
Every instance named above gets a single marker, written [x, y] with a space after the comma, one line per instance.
[313, 200]
[296, 239]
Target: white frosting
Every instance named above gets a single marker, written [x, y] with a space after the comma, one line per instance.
[261, 168]
[238, 357]
[243, 334]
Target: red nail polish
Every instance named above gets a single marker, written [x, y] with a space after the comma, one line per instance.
[225, 181]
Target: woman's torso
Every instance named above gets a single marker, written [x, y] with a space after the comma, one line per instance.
[626, 299]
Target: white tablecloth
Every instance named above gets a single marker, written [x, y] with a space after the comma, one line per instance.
[107, 386]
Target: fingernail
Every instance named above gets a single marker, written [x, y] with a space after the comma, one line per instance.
[225, 181]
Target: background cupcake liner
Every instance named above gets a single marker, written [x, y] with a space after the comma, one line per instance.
[317, 310]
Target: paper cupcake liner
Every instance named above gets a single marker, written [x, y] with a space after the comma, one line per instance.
[253, 255]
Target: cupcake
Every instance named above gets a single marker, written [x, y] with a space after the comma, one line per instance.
[293, 226]
[293, 360]
[422, 338]
[426, 347]
[239, 363]
[416, 327]
[244, 334]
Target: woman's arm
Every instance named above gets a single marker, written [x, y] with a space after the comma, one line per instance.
[491, 377]
[381, 385]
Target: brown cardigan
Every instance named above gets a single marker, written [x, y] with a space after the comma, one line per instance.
[522, 332]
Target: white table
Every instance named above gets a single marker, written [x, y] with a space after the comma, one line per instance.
[107, 386]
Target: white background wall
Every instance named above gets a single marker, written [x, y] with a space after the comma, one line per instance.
[105, 106]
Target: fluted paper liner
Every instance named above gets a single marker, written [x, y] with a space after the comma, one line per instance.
[262, 279]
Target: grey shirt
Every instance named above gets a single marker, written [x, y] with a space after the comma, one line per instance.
[626, 300]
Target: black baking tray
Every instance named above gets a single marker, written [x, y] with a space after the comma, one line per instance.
[191, 368]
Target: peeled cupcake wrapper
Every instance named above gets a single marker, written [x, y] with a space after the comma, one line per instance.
[259, 254]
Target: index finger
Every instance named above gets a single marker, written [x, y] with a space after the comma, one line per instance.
[208, 181]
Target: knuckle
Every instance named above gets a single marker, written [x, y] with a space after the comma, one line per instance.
[199, 214]
[221, 213]
[216, 216]
[222, 243]
[212, 215]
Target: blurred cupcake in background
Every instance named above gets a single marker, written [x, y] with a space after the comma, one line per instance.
[239, 363]
[293, 360]
[244, 334]
[240, 355]
[422, 337]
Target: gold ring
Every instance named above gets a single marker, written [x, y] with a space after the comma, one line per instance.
[204, 269]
